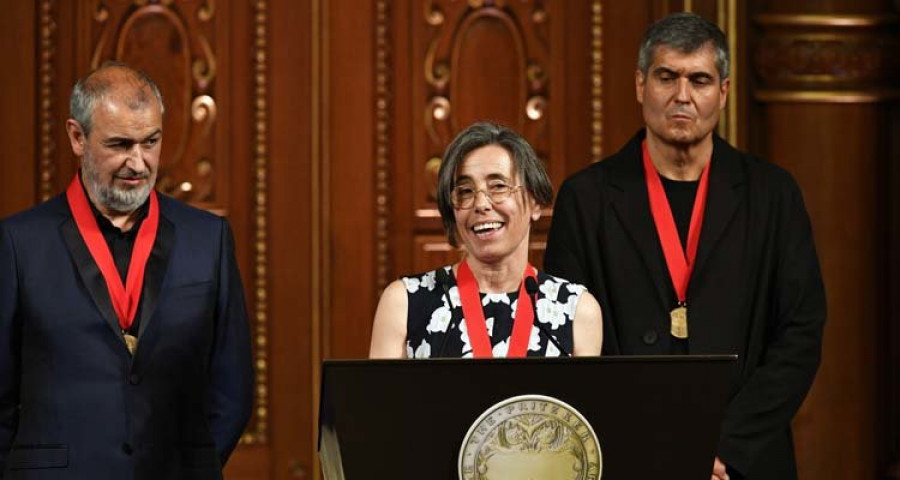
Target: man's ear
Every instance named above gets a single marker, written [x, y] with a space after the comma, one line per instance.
[76, 137]
[723, 89]
[639, 83]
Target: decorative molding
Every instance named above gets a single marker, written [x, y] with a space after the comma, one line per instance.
[101, 16]
[828, 96]
[597, 80]
[46, 80]
[259, 430]
[383, 84]
[206, 11]
[204, 69]
[186, 66]
[810, 20]
[823, 59]
[827, 58]
[726, 13]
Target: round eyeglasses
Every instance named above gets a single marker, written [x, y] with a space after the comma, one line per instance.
[463, 196]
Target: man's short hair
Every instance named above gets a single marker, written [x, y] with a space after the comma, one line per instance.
[687, 33]
[93, 88]
[526, 165]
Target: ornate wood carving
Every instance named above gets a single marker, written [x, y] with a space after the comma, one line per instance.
[383, 91]
[258, 431]
[597, 81]
[172, 42]
[46, 82]
[485, 60]
[827, 58]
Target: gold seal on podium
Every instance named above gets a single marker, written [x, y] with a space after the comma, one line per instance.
[530, 436]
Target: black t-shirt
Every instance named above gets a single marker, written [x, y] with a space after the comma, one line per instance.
[681, 196]
[121, 244]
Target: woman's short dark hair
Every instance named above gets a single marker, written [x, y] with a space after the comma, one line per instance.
[482, 134]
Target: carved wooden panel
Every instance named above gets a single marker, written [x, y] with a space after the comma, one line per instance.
[482, 60]
[532, 65]
[176, 44]
[821, 58]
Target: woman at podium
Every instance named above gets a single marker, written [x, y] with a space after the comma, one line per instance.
[493, 303]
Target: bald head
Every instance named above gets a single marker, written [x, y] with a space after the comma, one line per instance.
[115, 81]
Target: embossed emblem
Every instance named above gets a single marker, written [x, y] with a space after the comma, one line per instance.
[530, 437]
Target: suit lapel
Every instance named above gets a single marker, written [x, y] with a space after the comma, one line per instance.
[155, 273]
[632, 206]
[725, 179]
[90, 274]
[157, 265]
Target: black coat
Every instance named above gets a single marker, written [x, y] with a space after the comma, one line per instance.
[73, 402]
[756, 289]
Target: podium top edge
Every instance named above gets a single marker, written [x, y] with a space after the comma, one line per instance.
[544, 360]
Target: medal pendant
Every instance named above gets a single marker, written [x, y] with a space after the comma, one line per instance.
[679, 322]
[130, 342]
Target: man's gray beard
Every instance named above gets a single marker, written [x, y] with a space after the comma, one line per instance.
[114, 199]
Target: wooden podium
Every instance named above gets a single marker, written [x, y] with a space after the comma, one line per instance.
[653, 417]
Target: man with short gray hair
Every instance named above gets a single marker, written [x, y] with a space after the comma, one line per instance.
[692, 247]
[124, 341]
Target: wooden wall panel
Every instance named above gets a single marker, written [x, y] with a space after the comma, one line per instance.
[890, 326]
[18, 22]
[295, 236]
[180, 46]
[842, 200]
[348, 157]
[823, 83]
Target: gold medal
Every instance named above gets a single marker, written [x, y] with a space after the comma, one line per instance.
[679, 322]
[130, 342]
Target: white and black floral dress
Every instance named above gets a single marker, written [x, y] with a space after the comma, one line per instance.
[430, 316]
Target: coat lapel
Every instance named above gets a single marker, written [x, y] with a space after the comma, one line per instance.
[90, 274]
[726, 179]
[95, 284]
[631, 203]
[157, 266]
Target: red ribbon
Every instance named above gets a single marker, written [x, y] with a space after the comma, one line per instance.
[125, 299]
[680, 263]
[474, 316]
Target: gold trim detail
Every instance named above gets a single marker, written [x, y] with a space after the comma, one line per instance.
[433, 14]
[203, 110]
[47, 147]
[206, 11]
[204, 69]
[382, 139]
[726, 18]
[832, 96]
[826, 58]
[259, 431]
[810, 20]
[597, 80]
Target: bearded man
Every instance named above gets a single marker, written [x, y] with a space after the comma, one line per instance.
[124, 342]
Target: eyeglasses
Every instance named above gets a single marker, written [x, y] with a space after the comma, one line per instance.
[463, 197]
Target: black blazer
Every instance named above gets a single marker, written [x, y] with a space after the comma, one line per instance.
[73, 402]
[756, 289]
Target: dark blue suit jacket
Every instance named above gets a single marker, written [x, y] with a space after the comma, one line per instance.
[73, 402]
